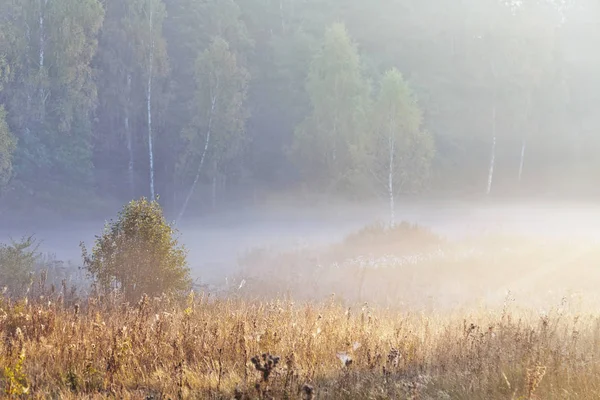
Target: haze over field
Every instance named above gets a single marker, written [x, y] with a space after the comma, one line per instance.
[217, 242]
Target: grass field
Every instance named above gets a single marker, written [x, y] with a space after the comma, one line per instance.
[282, 334]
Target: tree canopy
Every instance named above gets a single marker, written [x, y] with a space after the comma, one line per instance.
[113, 100]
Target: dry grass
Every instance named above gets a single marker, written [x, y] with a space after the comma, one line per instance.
[215, 348]
[257, 343]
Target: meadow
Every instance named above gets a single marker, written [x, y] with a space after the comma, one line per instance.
[386, 314]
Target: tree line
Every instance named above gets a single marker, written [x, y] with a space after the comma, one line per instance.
[129, 98]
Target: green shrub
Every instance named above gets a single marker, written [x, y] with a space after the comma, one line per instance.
[17, 262]
[138, 254]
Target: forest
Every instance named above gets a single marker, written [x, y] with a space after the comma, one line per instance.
[198, 101]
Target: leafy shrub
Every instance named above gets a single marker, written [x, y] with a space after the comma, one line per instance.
[137, 254]
[17, 262]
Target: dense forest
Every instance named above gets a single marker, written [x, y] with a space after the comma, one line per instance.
[197, 101]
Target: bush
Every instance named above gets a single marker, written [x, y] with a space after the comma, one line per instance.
[17, 262]
[137, 254]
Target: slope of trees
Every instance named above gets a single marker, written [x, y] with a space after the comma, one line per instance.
[199, 101]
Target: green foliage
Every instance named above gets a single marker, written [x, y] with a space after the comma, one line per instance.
[7, 140]
[17, 262]
[51, 95]
[329, 143]
[15, 378]
[219, 108]
[73, 26]
[138, 254]
[193, 28]
[7, 147]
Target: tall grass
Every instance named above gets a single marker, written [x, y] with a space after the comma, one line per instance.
[214, 349]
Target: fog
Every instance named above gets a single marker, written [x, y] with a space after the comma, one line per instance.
[216, 242]
[393, 110]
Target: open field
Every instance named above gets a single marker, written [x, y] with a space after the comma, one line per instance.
[381, 314]
[217, 350]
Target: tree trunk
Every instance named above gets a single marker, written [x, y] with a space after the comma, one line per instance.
[28, 67]
[391, 182]
[214, 186]
[149, 106]
[43, 7]
[529, 119]
[523, 146]
[129, 140]
[193, 187]
[43, 4]
[213, 108]
[493, 156]
[281, 16]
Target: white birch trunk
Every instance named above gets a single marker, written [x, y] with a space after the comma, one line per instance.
[492, 164]
[213, 107]
[214, 186]
[43, 7]
[281, 15]
[493, 156]
[43, 4]
[149, 106]
[129, 139]
[335, 124]
[391, 182]
[193, 187]
[528, 116]
[28, 66]
[334, 151]
[523, 147]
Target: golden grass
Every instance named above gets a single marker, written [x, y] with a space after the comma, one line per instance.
[204, 349]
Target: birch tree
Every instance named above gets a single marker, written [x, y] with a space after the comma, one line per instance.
[73, 26]
[330, 141]
[7, 147]
[118, 77]
[7, 140]
[133, 66]
[535, 44]
[190, 28]
[401, 151]
[144, 29]
[217, 130]
[151, 43]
